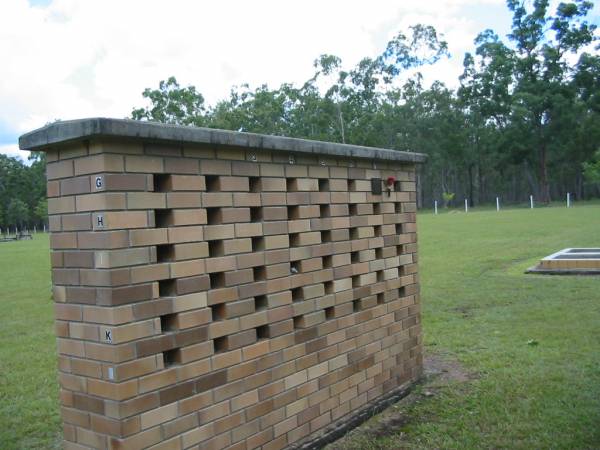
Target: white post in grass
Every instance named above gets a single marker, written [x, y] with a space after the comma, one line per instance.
[435, 207]
[531, 201]
[497, 203]
[34, 230]
[568, 200]
[44, 228]
[466, 205]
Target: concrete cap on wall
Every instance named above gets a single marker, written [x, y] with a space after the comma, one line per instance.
[81, 129]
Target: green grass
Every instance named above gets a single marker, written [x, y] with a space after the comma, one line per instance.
[29, 415]
[478, 307]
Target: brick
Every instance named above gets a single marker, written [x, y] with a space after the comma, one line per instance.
[117, 219]
[121, 182]
[244, 168]
[119, 258]
[181, 165]
[273, 184]
[182, 252]
[225, 184]
[146, 200]
[233, 246]
[218, 232]
[99, 163]
[301, 239]
[215, 167]
[77, 185]
[183, 200]
[180, 217]
[185, 234]
[248, 229]
[53, 188]
[243, 199]
[309, 320]
[114, 391]
[103, 239]
[99, 202]
[302, 184]
[61, 205]
[146, 237]
[158, 416]
[76, 222]
[217, 199]
[228, 215]
[62, 169]
[143, 164]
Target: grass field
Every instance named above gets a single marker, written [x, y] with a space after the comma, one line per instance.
[479, 308]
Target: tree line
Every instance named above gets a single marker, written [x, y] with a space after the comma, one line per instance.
[524, 120]
[23, 202]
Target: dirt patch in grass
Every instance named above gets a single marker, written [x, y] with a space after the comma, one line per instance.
[440, 371]
[466, 312]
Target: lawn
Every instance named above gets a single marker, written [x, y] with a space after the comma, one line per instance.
[480, 309]
[531, 342]
[29, 416]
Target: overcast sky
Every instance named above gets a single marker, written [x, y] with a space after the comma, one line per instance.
[68, 59]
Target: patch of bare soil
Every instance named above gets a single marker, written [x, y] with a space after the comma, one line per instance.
[465, 311]
[439, 372]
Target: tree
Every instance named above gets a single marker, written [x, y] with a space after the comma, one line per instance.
[592, 169]
[484, 96]
[41, 210]
[17, 213]
[172, 104]
[21, 182]
[526, 118]
[542, 72]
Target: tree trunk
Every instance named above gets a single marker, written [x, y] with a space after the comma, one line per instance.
[341, 119]
[579, 184]
[471, 188]
[544, 184]
[480, 184]
[530, 179]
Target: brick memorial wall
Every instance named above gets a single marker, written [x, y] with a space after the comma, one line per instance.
[218, 290]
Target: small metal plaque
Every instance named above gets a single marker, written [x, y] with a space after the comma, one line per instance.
[99, 182]
[376, 186]
[100, 221]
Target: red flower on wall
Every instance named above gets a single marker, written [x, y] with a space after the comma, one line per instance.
[390, 184]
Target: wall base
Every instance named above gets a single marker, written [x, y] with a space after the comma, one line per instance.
[357, 418]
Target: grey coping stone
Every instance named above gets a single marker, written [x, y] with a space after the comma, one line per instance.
[74, 130]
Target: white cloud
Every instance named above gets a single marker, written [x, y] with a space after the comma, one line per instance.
[76, 59]
[13, 150]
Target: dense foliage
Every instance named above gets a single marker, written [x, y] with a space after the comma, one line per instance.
[524, 120]
[22, 192]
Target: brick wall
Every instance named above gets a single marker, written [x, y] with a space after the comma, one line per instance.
[210, 296]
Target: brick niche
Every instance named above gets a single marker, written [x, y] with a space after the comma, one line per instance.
[223, 290]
